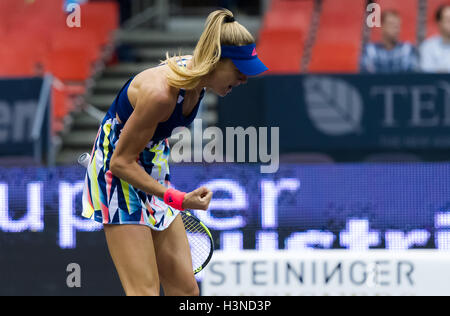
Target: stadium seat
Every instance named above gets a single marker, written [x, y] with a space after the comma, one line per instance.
[76, 39]
[339, 37]
[281, 20]
[289, 15]
[281, 50]
[17, 63]
[285, 28]
[335, 57]
[408, 10]
[36, 39]
[341, 20]
[9, 10]
[22, 54]
[22, 40]
[69, 64]
[101, 17]
[37, 26]
[38, 16]
[290, 4]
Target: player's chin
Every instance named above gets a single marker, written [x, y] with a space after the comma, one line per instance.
[223, 93]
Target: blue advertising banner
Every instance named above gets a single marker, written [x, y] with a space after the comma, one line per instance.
[18, 106]
[346, 112]
[347, 206]
[297, 199]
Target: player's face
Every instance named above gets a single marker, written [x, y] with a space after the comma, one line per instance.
[444, 24]
[225, 77]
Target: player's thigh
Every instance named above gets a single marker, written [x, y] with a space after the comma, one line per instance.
[131, 248]
[174, 260]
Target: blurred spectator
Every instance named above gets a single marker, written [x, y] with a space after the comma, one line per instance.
[435, 51]
[390, 55]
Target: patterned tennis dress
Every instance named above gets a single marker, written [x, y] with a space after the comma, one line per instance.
[110, 200]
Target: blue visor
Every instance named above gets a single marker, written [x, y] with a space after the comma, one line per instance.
[245, 59]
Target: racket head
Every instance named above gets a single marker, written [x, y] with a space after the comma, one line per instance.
[200, 240]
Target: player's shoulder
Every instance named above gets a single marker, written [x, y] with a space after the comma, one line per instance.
[153, 88]
[157, 94]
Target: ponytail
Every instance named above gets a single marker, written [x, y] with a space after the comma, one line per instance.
[220, 29]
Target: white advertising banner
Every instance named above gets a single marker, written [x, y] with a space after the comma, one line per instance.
[327, 272]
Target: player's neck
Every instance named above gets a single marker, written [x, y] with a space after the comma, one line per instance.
[203, 82]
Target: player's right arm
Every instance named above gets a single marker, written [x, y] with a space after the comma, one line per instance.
[152, 107]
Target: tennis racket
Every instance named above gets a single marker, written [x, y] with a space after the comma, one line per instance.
[200, 239]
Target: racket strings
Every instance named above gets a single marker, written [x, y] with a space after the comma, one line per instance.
[199, 241]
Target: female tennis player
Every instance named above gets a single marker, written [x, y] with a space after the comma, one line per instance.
[127, 185]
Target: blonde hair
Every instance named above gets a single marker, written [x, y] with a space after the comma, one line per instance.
[218, 31]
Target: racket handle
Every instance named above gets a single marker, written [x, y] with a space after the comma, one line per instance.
[84, 159]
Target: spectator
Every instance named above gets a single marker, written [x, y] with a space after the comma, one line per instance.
[435, 51]
[390, 55]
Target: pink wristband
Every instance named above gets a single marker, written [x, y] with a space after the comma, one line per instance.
[174, 198]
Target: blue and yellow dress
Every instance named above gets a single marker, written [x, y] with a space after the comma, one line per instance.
[110, 200]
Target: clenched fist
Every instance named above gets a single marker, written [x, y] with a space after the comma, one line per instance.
[198, 199]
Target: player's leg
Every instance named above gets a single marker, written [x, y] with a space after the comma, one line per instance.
[131, 248]
[174, 260]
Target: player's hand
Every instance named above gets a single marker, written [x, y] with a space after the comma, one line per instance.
[198, 199]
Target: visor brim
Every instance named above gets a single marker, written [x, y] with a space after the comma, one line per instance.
[250, 67]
